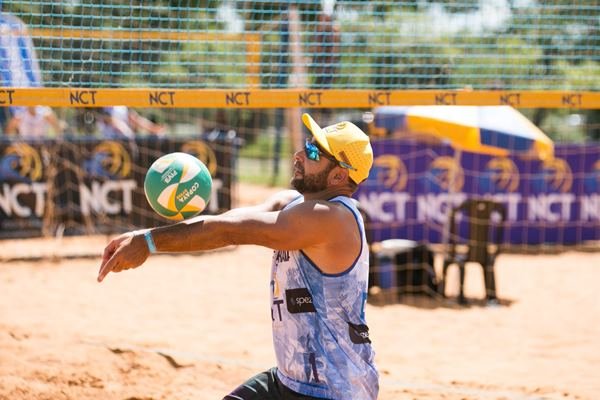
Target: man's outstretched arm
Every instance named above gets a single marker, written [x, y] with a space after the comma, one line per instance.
[275, 202]
[300, 227]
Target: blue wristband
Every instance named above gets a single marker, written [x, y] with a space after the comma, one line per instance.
[150, 242]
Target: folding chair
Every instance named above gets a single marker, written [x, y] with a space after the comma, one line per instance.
[480, 244]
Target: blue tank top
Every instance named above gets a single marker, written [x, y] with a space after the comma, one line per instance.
[320, 333]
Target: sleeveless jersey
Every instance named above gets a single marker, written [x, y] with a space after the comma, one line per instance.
[320, 334]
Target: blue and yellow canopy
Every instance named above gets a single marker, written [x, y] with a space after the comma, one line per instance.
[495, 130]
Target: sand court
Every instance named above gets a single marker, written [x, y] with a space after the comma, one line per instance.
[196, 326]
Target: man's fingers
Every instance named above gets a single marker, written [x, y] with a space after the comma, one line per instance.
[109, 260]
[105, 269]
[108, 252]
[118, 255]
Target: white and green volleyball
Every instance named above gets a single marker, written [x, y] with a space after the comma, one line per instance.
[178, 186]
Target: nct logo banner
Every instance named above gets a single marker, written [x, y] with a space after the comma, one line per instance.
[412, 186]
[95, 186]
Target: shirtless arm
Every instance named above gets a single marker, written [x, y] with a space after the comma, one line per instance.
[12, 127]
[274, 203]
[307, 225]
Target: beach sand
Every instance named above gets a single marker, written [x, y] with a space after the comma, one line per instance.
[196, 326]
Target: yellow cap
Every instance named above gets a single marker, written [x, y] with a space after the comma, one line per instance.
[347, 143]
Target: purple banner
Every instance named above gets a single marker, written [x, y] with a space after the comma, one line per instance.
[88, 185]
[412, 185]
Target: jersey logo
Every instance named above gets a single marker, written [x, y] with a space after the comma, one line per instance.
[359, 334]
[299, 301]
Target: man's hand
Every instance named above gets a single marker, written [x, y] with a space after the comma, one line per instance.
[125, 252]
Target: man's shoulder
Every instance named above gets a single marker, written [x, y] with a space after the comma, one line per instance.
[334, 211]
[282, 198]
[289, 194]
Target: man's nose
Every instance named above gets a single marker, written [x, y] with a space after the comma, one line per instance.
[298, 155]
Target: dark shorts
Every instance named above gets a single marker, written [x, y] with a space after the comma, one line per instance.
[265, 386]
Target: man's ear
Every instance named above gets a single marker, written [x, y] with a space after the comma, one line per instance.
[339, 176]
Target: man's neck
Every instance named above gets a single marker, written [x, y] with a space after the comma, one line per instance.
[328, 193]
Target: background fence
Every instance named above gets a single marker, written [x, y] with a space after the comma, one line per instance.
[345, 44]
[201, 69]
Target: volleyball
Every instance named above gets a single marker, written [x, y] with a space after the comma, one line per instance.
[178, 186]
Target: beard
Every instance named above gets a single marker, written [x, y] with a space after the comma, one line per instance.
[312, 183]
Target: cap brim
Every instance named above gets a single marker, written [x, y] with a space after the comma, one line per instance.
[317, 132]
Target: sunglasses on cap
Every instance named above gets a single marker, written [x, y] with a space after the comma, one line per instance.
[313, 152]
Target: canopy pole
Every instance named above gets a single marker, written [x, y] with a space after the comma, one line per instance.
[452, 198]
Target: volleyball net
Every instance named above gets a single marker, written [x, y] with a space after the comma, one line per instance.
[412, 46]
[234, 75]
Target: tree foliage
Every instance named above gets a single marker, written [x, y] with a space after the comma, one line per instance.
[542, 45]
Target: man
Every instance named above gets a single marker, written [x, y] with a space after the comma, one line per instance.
[120, 122]
[35, 122]
[319, 272]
